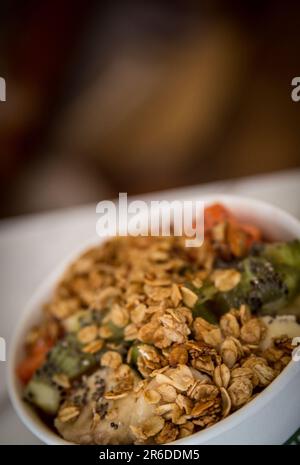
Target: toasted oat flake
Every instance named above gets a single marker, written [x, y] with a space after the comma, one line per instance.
[137, 315]
[152, 426]
[152, 396]
[61, 380]
[189, 297]
[67, 414]
[178, 355]
[111, 395]
[240, 391]
[231, 351]
[253, 331]
[229, 325]
[168, 434]
[167, 392]
[111, 359]
[87, 334]
[176, 296]
[105, 332]
[225, 280]
[119, 316]
[93, 347]
[222, 375]
[201, 407]
[226, 402]
[181, 378]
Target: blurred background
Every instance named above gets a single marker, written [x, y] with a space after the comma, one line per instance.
[137, 96]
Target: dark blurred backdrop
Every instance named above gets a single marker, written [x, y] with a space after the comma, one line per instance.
[137, 96]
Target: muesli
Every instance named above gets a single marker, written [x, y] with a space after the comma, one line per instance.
[147, 341]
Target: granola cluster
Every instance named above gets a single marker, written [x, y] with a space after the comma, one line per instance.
[195, 372]
[200, 383]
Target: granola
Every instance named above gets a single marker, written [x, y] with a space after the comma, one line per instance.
[139, 355]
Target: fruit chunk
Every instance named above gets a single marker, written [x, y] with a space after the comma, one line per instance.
[43, 394]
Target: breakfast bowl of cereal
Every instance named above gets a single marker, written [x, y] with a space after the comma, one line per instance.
[142, 340]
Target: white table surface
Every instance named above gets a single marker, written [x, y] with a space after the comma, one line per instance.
[31, 246]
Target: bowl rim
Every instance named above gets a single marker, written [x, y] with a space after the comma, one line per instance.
[45, 434]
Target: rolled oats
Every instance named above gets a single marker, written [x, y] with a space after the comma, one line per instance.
[137, 315]
[184, 403]
[196, 373]
[260, 369]
[87, 334]
[178, 355]
[213, 338]
[186, 429]
[176, 296]
[253, 331]
[202, 408]
[152, 396]
[111, 359]
[201, 326]
[119, 316]
[167, 392]
[203, 392]
[168, 434]
[149, 428]
[221, 375]
[231, 351]
[93, 347]
[68, 413]
[240, 391]
[61, 380]
[189, 297]
[229, 325]
[226, 402]
[225, 280]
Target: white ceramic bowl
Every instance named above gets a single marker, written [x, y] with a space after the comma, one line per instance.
[271, 418]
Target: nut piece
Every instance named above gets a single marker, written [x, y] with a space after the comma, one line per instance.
[68, 413]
